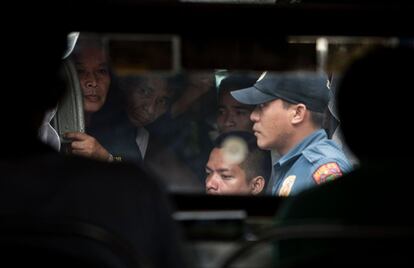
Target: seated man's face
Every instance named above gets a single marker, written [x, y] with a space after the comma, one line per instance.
[224, 177]
[233, 115]
[148, 101]
[92, 67]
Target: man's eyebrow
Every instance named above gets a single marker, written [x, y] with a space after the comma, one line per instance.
[209, 169]
[220, 170]
[240, 107]
[146, 87]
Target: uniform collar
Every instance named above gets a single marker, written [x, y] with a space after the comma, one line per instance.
[298, 149]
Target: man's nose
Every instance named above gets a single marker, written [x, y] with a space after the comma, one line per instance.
[151, 106]
[229, 120]
[91, 80]
[254, 116]
[211, 183]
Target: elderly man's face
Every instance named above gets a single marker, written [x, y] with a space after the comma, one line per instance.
[92, 67]
[148, 101]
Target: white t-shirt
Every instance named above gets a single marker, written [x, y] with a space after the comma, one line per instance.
[47, 134]
[142, 140]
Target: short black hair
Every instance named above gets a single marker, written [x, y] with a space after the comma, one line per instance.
[258, 161]
[317, 118]
[236, 81]
[131, 82]
[90, 41]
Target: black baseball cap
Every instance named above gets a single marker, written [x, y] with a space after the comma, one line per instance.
[309, 88]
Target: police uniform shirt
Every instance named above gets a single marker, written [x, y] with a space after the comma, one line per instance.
[314, 160]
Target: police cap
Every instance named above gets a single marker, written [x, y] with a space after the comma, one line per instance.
[304, 87]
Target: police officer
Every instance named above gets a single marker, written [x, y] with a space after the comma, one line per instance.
[288, 118]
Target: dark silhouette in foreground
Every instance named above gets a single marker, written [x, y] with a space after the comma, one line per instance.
[38, 183]
[375, 108]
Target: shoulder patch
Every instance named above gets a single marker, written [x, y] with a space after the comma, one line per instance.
[327, 172]
[287, 185]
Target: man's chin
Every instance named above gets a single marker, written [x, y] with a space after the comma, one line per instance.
[262, 145]
[141, 122]
[92, 108]
[138, 122]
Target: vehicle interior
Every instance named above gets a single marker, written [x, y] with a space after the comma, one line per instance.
[194, 45]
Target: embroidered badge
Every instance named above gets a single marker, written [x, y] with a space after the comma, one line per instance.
[327, 172]
[287, 185]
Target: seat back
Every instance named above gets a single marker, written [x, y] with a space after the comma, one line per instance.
[329, 245]
[46, 243]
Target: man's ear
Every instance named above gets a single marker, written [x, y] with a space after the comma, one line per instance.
[256, 185]
[298, 113]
